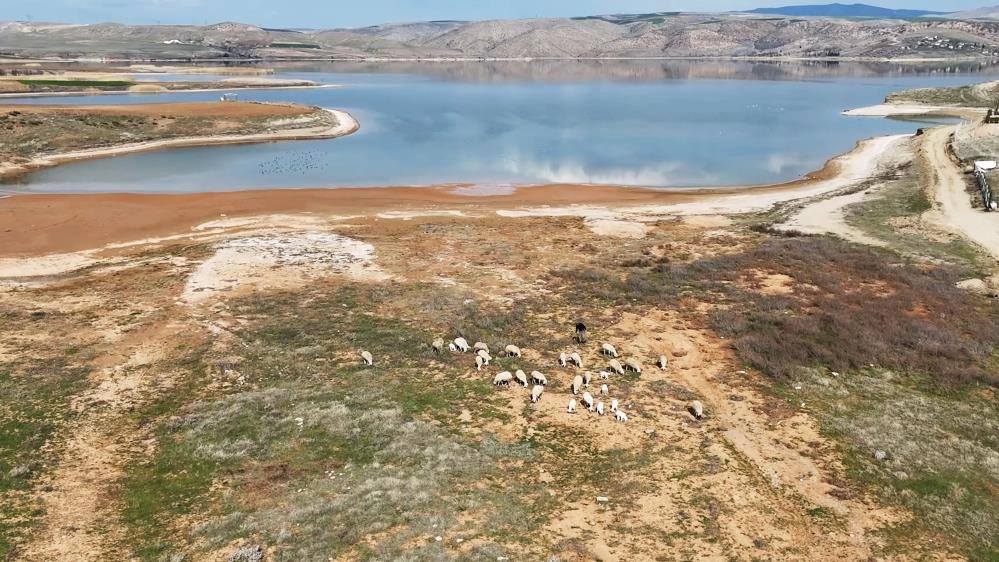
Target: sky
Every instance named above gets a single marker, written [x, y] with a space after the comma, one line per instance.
[357, 13]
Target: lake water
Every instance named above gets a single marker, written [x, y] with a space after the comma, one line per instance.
[636, 123]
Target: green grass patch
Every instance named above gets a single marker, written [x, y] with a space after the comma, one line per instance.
[36, 407]
[967, 96]
[318, 453]
[940, 446]
[893, 215]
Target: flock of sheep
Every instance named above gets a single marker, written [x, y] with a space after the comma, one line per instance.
[540, 381]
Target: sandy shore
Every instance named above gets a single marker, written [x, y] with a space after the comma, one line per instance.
[913, 110]
[346, 124]
[47, 224]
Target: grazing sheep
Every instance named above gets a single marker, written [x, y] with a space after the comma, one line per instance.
[438, 345]
[696, 409]
[613, 407]
[662, 362]
[600, 408]
[521, 377]
[577, 384]
[604, 390]
[572, 406]
[539, 378]
[588, 401]
[461, 344]
[480, 346]
[587, 377]
[634, 365]
[620, 416]
[452, 348]
[608, 349]
[479, 362]
[536, 393]
[368, 359]
[484, 355]
[562, 360]
[615, 366]
[604, 375]
[503, 378]
[512, 351]
[575, 358]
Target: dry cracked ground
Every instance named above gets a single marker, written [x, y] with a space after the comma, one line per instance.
[202, 398]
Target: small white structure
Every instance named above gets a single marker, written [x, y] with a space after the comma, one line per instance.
[985, 165]
[229, 97]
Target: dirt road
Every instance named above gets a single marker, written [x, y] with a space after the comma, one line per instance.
[954, 210]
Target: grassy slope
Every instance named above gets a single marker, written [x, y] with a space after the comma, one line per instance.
[976, 95]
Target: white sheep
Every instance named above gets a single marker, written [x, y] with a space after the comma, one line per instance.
[600, 408]
[484, 355]
[608, 349]
[452, 348]
[572, 406]
[587, 377]
[521, 377]
[604, 375]
[512, 351]
[536, 392]
[615, 366]
[662, 362]
[575, 358]
[604, 390]
[562, 360]
[588, 401]
[696, 409]
[368, 359]
[620, 416]
[461, 344]
[480, 346]
[539, 378]
[613, 407]
[633, 365]
[479, 363]
[577, 384]
[438, 345]
[503, 378]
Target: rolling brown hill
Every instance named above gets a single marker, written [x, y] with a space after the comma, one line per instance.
[633, 36]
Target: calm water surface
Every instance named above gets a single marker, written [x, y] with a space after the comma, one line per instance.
[653, 124]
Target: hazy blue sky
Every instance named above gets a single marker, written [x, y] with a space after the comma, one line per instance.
[353, 13]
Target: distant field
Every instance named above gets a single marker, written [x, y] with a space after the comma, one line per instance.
[78, 83]
[295, 46]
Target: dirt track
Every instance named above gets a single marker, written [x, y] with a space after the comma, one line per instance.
[954, 211]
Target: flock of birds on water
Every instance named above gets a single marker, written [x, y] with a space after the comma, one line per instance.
[580, 383]
[301, 163]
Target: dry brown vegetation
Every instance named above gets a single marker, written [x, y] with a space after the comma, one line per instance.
[846, 307]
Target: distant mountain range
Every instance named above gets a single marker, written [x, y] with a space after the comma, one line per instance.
[845, 11]
[834, 32]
